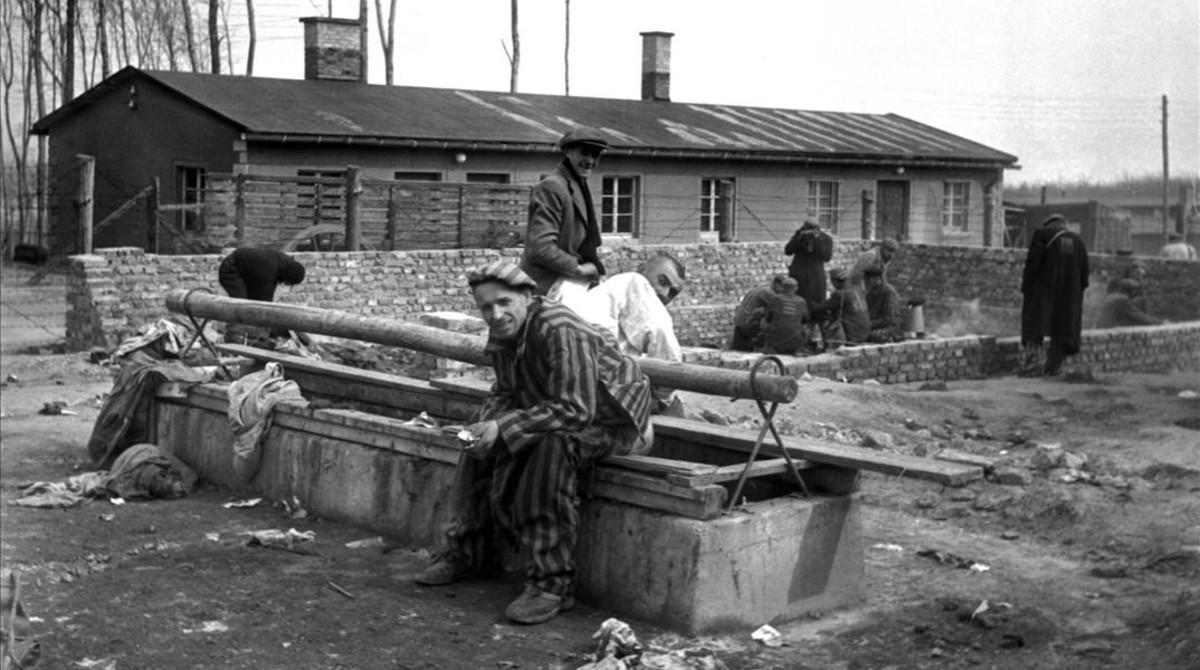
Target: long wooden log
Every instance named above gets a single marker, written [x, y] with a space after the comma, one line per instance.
[456, 346]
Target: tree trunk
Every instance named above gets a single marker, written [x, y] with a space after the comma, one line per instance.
[191, 39]
[214, 36]
[124, 32]
[567, 51]
[253, 38]
[68, 83]
[363, 43]
[388, 42]
[102, 37]
[515, 60]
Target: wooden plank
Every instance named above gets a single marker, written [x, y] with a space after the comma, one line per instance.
[942, 472]
[479, 388]
[660, 466]
[729, 473]
[956, 456]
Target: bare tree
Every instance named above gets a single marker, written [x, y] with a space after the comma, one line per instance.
[567, 50]
[191, 39]
[124, 32]
[514, 60]
[253, 38]
[214, 36]
[68, 81]
[102, 37]
[388, 42]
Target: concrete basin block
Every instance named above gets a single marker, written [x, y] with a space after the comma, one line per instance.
[773, 560]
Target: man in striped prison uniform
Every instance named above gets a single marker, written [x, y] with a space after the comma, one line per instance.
[564, 396]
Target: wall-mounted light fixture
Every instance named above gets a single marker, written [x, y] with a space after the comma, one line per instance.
[132, 97]
[900, 169]
[460, 158]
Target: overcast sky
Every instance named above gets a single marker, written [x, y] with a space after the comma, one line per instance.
[1072, 87]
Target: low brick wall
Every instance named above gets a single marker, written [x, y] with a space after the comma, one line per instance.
[1166, 348]
[969, 291]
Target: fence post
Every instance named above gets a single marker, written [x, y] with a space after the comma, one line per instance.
[461, 196]
[239, 209]
[84, 200]
[353, 195]
[725, 211]
[152, 218]
[990, 200]
[391, 218]
[868, 215]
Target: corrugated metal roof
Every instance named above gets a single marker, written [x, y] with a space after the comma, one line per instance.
[267, 108]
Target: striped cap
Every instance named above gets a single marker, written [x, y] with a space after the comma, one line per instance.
[503, 272]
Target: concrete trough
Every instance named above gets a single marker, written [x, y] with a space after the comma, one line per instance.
[655, 543]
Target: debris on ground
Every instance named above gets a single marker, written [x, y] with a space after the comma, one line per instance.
[56, 407]
[376, 541]
[248, 502]
[617, 648]
[768, 636]
[292, 509]
[949, 558]
[278, 539]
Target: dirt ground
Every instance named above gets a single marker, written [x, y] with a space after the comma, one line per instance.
[1099, 572]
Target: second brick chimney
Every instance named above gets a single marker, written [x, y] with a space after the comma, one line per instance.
[656, 66]
[333, 49]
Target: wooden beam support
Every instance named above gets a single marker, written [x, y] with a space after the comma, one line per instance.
[858, 458]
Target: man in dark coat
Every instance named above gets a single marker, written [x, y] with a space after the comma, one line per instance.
[884, 306]
[1052, 286]
[810, 248]
[785, 326]
[748, 320]
[844, 318]
[562, 236]
[1119, 310]
[251, 273]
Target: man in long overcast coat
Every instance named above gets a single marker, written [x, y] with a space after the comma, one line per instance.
[1056, 274]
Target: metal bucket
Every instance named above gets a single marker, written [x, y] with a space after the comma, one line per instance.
[916, 321]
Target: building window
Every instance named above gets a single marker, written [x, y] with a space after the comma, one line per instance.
[823, 204]
[618, 206]
[404, 175]
[488, 178]
[716, 209]
[189, 184]
[955, 206]
[319, 195]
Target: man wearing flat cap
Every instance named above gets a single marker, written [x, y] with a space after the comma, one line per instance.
[880, 256]
[562, 236]
[564, 396]
[843, 316]
[1052, 286]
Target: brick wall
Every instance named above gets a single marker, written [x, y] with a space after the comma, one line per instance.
[115, 291]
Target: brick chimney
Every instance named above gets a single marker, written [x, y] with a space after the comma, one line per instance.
[333, 49]
[656, 66]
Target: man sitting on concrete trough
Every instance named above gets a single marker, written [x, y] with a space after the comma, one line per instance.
[632, 307]
[748, 320]
[564, 397]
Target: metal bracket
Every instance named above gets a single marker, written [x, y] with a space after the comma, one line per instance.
[199, 335]
[768, 424]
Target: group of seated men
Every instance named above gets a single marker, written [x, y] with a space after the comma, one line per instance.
[775, 320]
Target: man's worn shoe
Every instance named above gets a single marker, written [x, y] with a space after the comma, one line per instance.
[538, 606]
[444, 570]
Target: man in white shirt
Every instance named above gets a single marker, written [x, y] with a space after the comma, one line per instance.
[1178, 249]
[632, 308]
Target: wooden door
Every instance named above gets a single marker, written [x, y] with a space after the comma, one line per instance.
[891, 210]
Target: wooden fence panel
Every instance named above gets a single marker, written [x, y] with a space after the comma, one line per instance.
[423, 215]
